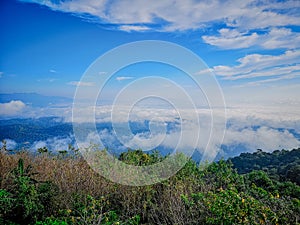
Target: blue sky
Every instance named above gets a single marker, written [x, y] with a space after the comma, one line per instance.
[252, 47]
[47, 45]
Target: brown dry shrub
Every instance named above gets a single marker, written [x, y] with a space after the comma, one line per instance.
[156, 204]
[72, 175]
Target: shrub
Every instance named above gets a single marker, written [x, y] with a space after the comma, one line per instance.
[65, 190]
[26, 199]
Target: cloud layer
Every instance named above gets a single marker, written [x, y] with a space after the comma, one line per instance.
[247, 130]
[11, 108]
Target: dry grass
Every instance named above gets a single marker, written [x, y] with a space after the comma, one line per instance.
[74, 177]
[70, 174]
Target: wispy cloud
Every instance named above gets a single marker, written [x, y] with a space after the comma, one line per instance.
[285, 65]
[130, 28]
[52, 71]
[285, 77]
[183, 15]
[102, 73]
[274, 38]
[124, 78]
[79, 83]
[232, 39]
[50, 80]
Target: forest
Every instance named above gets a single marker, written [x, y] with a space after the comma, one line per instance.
[46, 188]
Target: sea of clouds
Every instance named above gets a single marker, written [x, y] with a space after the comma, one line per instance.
[247, 129]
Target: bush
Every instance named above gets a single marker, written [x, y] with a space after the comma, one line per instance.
[26, 200]
[65, 190]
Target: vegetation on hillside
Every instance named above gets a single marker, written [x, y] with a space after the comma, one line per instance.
[281, 165]
[63, 189]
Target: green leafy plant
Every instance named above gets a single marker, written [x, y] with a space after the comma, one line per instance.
[6, 203]
[51, 221]
[96, 211]
[26, 199]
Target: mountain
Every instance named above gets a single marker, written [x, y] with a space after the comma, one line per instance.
[282, 165]
[54, 132]
[35, 100]
[31, 130]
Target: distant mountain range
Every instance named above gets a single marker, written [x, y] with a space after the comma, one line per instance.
[35, 100]
[32, 130]
[281, 165]
[56, 134]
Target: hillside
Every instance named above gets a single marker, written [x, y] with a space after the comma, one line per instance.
[63, 189]
[280, 165]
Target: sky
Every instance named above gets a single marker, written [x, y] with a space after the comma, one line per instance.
[251, 47]
[46, 46]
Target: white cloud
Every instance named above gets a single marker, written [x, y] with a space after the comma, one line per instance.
[232, 39]
[266, 14]
[280, 38]
[53, 144]
[183, 15]
[247, 23]
[278, 116]
[10, 144]
[249, 128]
[264, 138]
[37, 112]
[281, 66]
[50, 80]
[268, 128]
[130, 28]
[285, 77]
[11, 108]
[79, 83]
[52, 71]
[274, 38]
[124, 78]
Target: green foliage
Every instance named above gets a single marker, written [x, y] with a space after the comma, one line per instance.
[260, 179]
[51, 221]
[221, 175]
[139, 158]
[89, 210]
[280, 165]
[25, 192]
[6, 202]
[212, 194]
[230, 207]
[26, 199]
[288, 189]
[94, 211]
[42, 150]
